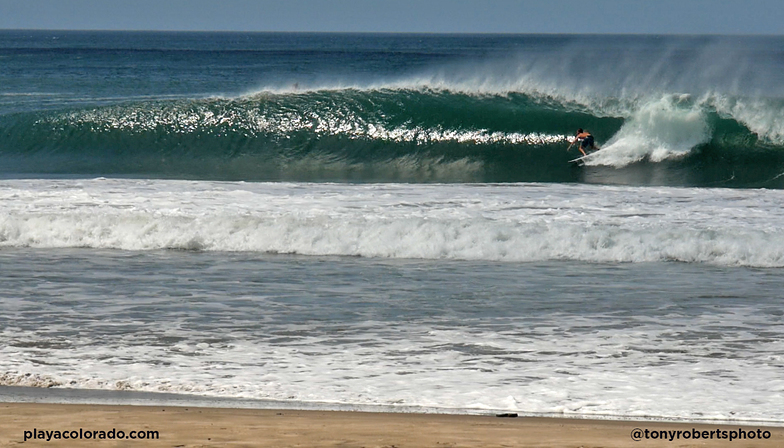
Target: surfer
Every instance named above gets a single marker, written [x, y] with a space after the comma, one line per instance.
[586, 141]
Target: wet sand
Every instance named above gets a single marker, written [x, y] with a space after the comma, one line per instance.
[219, 427]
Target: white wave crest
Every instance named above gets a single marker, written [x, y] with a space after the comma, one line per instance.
[762, 116]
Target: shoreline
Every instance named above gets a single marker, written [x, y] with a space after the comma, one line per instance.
[213, 427]
[107, 397]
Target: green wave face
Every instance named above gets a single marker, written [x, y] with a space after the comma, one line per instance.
[402, 135]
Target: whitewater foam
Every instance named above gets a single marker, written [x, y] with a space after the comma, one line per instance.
[666, 128]
[469, 222]
[552, 338]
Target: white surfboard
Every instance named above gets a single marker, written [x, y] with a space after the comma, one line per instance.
[578, 159]
[588, 156]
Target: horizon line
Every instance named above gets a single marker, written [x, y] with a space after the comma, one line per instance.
[443, 33]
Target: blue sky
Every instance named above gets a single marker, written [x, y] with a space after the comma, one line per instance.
[431, 16]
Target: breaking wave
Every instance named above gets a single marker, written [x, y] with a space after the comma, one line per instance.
[409, 133]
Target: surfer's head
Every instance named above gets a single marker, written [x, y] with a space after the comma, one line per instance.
[579, 131]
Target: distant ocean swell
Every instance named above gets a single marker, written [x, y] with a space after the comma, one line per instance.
[406, 134]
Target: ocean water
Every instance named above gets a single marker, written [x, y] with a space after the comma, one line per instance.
[392, 221]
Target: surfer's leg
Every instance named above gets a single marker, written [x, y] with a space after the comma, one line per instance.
[583, 146]
[588, 143]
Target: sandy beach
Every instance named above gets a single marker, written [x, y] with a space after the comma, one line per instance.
[216, 427]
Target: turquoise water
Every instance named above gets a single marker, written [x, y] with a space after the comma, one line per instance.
[312, 107]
